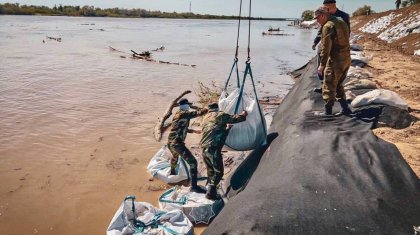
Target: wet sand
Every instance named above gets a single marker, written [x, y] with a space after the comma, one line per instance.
[78, 196]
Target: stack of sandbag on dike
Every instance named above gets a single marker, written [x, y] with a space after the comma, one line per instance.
[323, 175]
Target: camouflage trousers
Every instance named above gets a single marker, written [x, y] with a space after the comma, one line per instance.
[213, 159]
[332, 87]
[179, 149]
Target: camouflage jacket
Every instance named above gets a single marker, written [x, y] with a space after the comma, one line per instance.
[180, 123]
[339, 14]
[215, 128]
[335, 44]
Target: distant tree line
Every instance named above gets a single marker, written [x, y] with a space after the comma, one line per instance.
[60, 10]
[364, 10]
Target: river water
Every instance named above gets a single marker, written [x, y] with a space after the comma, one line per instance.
[77, 118]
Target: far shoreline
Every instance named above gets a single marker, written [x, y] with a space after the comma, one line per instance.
[92, 11]
[176, 18]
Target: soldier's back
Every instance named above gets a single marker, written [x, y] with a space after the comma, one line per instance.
[341, 41]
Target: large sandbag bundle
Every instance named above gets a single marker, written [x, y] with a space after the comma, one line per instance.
[147, 220]
[195, 206]
[380, 96]
[249, 134]
[160, 167]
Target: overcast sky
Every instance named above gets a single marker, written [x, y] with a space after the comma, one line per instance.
[262, 8]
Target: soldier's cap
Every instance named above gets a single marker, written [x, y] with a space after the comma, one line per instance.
[321, 10]
[329, 1]
[184, 101]
[213, 106]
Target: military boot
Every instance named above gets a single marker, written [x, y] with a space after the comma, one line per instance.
[318, 90]
[327, 112]
[211, 192]
[194, 187]
[173, 171]
[345, 110]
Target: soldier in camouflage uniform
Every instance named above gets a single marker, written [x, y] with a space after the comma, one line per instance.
[335, 59]
[176, 140]
[332, 10]
[214, 133]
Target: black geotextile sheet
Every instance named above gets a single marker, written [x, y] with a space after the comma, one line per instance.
[323, 175]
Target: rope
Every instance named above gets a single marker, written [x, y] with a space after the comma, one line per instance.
[139, 226]
[239, 27]
[182, 200]
[249, 32]
[248, 70]
[258, 103]
[235, 61]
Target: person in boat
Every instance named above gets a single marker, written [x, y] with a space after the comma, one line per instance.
[334, 60]
[176, 140]
[214, 132]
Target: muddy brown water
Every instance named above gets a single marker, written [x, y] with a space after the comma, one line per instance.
[77, 118]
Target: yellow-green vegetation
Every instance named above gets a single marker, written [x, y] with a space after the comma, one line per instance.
[307, 15]
[365, 10]
[208, 94]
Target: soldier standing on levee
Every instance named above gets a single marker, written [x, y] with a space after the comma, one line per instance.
[176, 140]
[333, 10]
[214, 133]
[335, 59]
[397, 4]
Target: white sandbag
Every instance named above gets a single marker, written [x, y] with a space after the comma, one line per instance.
[249, 134]
[380, 96]
[195, 206]
[358, 73]
[359, 60]
[356, 53]
[350, 95]
[356, 47]
[359, 84]
[160, 167]
[151, 221]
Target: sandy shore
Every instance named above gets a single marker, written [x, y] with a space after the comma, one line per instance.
[398, 72]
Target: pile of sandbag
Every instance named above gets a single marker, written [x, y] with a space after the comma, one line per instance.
[362, 91]
[358, 80]
[359, 59]
[195, 206]
[249, 134]
[160, 167]
[358, 84]
[136, 218]
[357, 73]
[380, 96]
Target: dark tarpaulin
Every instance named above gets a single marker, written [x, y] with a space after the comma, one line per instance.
[322, 176]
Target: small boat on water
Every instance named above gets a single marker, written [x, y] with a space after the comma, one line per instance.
[271, 29]
[276, 34]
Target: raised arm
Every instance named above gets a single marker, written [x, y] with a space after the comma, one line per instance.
[194, 114]
[231, 119]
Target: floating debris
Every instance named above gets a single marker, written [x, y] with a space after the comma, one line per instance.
[276, 34]
[147, 56]
[53, 38]
[161, 48]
